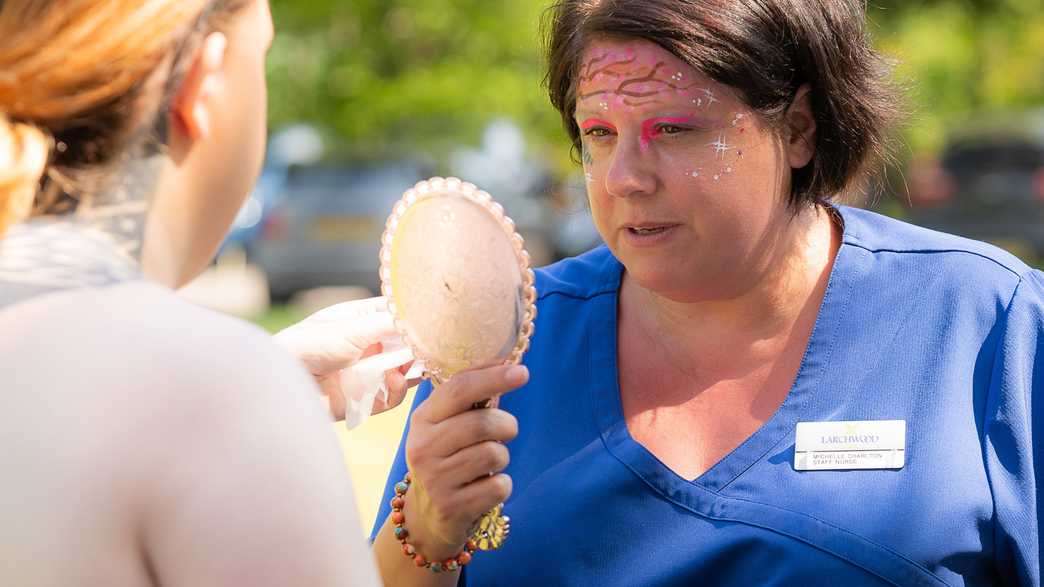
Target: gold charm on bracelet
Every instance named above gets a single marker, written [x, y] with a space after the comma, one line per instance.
[492, 529]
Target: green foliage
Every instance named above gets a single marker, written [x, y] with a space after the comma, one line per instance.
[962, 59]
[406, 75]
[393, 75]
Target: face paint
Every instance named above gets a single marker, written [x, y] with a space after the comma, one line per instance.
[720, 146]
[642, 84]
[594, 123]
[677, 151]
[653, 127]
[614, 84]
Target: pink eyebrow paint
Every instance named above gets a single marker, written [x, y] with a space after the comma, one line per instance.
[593, 122]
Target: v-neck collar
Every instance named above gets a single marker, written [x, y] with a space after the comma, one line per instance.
[799, 403]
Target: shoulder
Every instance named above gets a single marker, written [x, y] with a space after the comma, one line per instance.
[593, 273]
[190, 357]
[213, 438]
[881, 234]
[926, 258]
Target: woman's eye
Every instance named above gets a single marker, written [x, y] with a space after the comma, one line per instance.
[597, 132]
[670, 129]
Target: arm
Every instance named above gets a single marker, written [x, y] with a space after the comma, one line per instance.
[1014, 449]
[253, 489]
[453, 454]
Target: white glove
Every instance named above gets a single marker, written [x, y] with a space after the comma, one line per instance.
[354, 353]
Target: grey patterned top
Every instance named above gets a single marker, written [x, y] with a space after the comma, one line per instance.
[46, 255]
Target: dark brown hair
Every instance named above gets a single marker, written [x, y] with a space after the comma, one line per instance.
[766, 50]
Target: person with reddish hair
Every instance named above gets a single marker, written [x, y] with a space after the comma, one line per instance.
[147, 441]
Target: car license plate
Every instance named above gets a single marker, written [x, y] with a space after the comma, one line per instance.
[354, 229]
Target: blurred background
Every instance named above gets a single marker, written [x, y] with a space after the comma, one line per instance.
[370, 96]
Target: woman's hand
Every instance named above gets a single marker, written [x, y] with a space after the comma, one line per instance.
[335, 338]
[455, 455]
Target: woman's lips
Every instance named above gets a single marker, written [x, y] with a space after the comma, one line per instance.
[648, 234]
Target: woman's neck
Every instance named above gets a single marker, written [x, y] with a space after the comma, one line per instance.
[767, 310]
[121, 210]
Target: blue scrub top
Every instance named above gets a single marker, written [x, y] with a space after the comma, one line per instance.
[938, 331]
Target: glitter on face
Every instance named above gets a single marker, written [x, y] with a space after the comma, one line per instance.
[720, 146]
[624, 80]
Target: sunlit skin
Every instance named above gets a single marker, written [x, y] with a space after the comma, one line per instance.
[689, 188]
[669, 149]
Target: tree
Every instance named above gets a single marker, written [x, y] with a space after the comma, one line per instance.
[387, 75]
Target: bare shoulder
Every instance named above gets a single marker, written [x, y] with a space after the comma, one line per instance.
[206, 445]
[159, 367]
[142, 329]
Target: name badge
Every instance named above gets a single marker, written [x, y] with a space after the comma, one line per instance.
[835, 446]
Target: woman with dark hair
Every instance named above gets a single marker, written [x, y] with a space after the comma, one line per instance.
[749, 384]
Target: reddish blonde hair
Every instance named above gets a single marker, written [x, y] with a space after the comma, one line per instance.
[70, 76]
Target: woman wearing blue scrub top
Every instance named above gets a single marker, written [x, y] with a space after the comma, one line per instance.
[748, 384]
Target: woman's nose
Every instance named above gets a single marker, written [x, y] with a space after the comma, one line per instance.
[630, 172]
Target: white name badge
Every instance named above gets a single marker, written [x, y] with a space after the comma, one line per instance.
[833, 446]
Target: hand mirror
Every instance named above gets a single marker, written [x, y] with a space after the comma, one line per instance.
[457, 278]
[460, 289]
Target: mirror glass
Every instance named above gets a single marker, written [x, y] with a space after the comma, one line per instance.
[457, 278]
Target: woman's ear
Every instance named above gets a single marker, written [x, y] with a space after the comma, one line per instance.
[191, 112]
[801, 123]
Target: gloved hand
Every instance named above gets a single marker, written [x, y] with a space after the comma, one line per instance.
[336, 338]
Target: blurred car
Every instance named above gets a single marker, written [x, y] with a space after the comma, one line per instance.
[295, 145]
[522, 185]
[987, 184]
[247, 227]
[325, 227]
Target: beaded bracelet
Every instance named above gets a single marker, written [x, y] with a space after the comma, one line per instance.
[401, 534]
